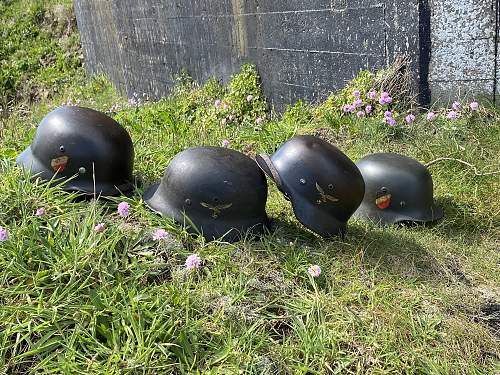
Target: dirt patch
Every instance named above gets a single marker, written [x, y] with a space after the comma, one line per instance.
[490, 316]
[455, 270]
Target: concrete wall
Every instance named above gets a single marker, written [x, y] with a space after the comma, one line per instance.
[464, 47]
[302, 48]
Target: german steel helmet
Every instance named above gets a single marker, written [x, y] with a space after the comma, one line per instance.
[81, 143]
[323, 184]
[218, 192]
[398, 189]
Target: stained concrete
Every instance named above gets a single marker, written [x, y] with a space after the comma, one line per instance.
[463, 52]
[303, 49]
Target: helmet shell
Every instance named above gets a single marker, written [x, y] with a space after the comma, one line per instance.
[398, 189]
[218, 192]
[323, 184]
[81, 142]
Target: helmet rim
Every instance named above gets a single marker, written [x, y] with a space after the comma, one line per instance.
[30, 162]
[226, 230]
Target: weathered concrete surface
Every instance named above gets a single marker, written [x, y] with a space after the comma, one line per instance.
[463, 52]
[304, 49]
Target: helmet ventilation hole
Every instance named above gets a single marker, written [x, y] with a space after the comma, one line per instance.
[62, 149]
[82, 170]
[188, 202]
[330, 186]
[303, 181]
[402, 203]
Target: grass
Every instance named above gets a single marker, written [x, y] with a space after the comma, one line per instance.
[401, 300]
[39, 50]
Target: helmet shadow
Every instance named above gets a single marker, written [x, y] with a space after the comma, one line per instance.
[459, 224]
[391, 250]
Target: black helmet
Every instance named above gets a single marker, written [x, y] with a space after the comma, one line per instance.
[324, 185]
[398, 189]
[81, 142]
[214, 191]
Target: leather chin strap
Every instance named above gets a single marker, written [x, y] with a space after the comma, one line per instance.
[274, 173]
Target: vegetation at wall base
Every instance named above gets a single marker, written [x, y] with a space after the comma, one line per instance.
[86, 291]
[40, 51]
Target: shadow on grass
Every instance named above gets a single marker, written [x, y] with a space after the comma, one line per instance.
[459, 223]
[390, 250]
[393, 251]
[292, 231]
